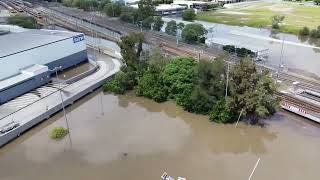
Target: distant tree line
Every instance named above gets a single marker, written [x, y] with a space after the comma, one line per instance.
[144, 17]
[198, 87]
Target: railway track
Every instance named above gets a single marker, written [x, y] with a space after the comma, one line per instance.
[298, 102]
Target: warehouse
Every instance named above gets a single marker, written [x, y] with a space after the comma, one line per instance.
[27, 58]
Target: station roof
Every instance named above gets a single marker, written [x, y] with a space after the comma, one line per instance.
[15, 42]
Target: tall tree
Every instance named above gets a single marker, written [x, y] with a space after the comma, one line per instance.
[208, 85]
[146, 8]
[177, 79]
[158, 23]
[171, 28]
[251, 92]
[189, 15]
[131, 48]
[112, 9]
[194, 33]
[147, 22]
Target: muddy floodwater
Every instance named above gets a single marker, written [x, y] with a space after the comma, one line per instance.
[132, 138]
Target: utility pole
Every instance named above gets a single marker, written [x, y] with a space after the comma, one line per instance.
[227, 80]
[62, 101]
[280, 63]
[239, 117]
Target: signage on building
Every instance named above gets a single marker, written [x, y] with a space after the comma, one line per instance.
[78, 38]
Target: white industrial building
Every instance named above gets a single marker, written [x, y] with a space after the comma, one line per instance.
[27, 56]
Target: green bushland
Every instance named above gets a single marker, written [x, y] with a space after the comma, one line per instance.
[198, 87]
[23, 21]
[58, 133]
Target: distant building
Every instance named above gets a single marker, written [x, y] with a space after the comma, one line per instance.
[166, 9]
[200, 5]
[26, 58]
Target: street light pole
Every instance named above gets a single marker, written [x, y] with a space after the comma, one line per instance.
[227, 81]
[62, 101]
[280, 63]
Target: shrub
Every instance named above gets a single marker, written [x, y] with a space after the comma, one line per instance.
[171, 28]
[304, 31]
[23, 21]
[123, 81]
[149, 85]
[194, 33]
[220, 112]
[189, 15]
[59, 132]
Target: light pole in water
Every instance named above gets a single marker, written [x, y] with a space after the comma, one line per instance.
[62, 101]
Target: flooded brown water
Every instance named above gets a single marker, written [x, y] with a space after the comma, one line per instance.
[75, 70]
[127, 137]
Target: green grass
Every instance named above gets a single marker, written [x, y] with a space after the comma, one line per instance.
[259, 15]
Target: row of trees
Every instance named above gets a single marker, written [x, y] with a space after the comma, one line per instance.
[314, 33]
[144, 17]
[239, 52]
[198, 87]
[193, 33]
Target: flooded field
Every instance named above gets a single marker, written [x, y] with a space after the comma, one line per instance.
[127, 137]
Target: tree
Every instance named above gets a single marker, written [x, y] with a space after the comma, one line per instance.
[67, 3]
[146, 8]
[180, 26]
[276, 20]
[250, 92]
[194, 33]
[209, 85]
[189, 15]
[131, 48]
[317, 2]
[146, 23]
[304, 31]
[102, 4]
[177, 78]
[150, 84]
[112, 9]
[171, 28]
[158, 23]
[23, 21]
[315, 33]
[129, 14]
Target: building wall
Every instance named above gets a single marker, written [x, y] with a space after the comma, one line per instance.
[43, 55]
[24, 87]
